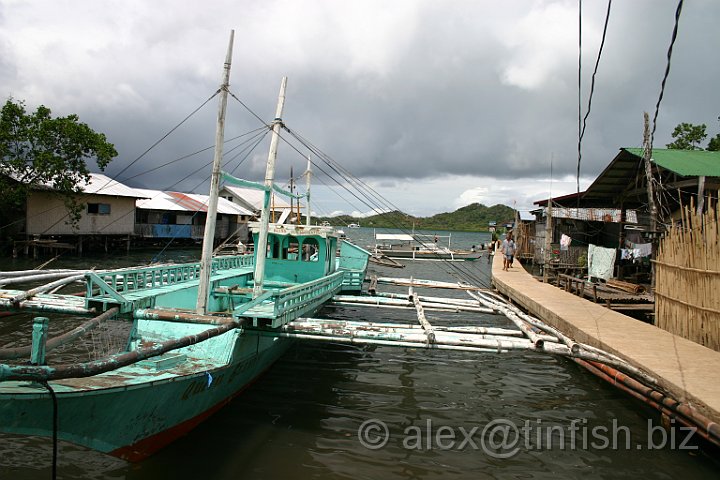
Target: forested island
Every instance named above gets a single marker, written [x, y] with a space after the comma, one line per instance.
[471, 218]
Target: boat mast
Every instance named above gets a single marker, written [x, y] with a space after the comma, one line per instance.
[308, 176]
[261, 247]
[209, 235]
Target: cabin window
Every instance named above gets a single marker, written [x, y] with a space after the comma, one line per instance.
[293, 248]
[277, 247]
[98, 208]
[310, 250]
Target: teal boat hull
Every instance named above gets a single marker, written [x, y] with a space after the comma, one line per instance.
[135, 420]
[132, 411]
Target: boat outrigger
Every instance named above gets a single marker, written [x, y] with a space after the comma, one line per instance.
[201, 332]
[418, 247]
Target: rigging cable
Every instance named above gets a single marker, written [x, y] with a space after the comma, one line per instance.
[174, 184]
[374, 200]
[159, 141]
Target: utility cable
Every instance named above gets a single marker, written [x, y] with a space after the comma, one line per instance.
[590, 97]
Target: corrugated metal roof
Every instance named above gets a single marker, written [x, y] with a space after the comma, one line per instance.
[687, 163]
[185, 202]
[100, 184]
[189, 203]
[157, 200]
[255, 197]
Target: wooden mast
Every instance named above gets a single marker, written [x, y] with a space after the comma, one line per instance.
[261, 246]
[209, 235]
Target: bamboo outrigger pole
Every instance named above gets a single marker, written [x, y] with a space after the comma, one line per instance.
[209, 234]
[269, 178]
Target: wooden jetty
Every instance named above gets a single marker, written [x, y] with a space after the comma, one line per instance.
[683, 368]
[616, 295]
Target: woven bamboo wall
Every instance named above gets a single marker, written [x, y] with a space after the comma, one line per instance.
[687, 279]
[525, 239]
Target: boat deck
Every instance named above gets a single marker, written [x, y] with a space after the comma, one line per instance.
[684, 368]
[44, 302]
[131, 293]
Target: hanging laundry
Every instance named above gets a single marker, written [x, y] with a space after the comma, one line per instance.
[565, 242]
[644, 249]
[601, 261]
[626, 254]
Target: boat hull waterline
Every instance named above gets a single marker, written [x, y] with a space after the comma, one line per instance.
[133, 421]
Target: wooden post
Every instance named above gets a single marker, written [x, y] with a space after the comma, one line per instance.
[548, 239]
[372, 289]
[39, 339]
[701, 195]
[209, 234]
[647, 155]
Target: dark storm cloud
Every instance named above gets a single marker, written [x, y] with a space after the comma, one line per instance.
[393, 91]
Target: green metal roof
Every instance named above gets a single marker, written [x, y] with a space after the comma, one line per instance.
[684, 162]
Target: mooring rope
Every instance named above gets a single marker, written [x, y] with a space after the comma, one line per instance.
[54, 427]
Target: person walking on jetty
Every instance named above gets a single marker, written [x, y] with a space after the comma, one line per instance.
[490, 251]
[508, 250]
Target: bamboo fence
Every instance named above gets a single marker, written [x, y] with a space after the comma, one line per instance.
[687, 276]
[525, 240]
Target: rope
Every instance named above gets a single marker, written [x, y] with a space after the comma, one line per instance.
[45, 384]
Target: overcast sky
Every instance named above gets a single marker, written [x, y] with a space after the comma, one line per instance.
[435, 104]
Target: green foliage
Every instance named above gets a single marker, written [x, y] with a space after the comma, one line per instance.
[714, 144]
[39, 151]
[471, 218]
[688, 136]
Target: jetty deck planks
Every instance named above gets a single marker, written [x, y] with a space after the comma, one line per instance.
[685, 368]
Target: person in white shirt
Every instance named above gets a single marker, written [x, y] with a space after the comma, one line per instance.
[508, 250]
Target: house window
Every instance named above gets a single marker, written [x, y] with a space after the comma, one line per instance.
[98, 208]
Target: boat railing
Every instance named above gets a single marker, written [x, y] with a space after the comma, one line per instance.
[353, 279]
[110, 286]
[289, 298]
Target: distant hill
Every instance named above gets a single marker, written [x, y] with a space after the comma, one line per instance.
[471, 218]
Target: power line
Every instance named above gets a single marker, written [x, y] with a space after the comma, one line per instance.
[590, 97]
[678, 11]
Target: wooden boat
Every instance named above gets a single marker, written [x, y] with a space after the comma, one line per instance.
[417, 247]
[201, 332]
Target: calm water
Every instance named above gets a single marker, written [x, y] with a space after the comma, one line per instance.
[445, 413]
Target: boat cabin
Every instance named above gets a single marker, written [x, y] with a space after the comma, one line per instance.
[298, 253]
